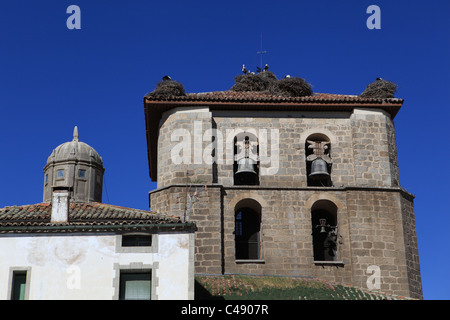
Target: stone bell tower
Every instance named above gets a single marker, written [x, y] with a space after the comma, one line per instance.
[77, 167]
[323, 199]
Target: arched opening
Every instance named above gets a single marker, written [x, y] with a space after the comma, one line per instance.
[247, 231]
[324, 230]
[246, 159]
[318, 160]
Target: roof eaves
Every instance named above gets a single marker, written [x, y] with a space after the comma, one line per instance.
[69, 228]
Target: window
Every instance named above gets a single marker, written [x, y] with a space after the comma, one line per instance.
[46, 179]
[60, 173]
[18, 288]
[247, 230]
[98, 186]
[318, 160]
[81, 173]
[136, 240]
[135, 285]
[324, 225]
[246, 159]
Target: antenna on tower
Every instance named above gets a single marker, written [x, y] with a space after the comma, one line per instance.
[261, 52]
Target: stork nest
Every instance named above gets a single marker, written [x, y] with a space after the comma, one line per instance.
[168, 88]
[291, 87]
[268, 82]
[254, 82]
[381, 89]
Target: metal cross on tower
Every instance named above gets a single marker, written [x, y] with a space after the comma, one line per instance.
[261, 52]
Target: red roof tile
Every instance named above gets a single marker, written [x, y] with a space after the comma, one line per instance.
[263, 96]
[80, 214]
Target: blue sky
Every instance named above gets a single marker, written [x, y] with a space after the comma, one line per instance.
[53, 78]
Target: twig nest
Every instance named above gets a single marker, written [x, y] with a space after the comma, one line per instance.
[380, 88]
[268, 82]
[168, 88]
[254, 82]
[291, 87]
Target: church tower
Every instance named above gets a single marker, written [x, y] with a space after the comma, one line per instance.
[296, 184]
[77, 167]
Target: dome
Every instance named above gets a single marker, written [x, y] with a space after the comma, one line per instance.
[75, 150]
[77, 167]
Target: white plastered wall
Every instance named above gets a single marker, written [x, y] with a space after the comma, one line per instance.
[84, 266]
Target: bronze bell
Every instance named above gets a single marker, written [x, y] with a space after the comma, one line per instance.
[322, 225]
[319, 169]
[245, 165]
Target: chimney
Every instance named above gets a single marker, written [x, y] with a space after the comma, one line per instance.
[60, 205]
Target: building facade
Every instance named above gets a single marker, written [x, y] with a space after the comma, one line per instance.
[71, 247]
[296, 186]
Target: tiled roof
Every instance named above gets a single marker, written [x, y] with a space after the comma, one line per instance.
[263, 96]
[82, 215]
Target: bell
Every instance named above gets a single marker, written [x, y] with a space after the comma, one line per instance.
[245, 165]
[319, 169]
[322, 224]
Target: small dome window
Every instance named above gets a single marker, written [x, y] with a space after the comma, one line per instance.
[60, 173]
[81, 173]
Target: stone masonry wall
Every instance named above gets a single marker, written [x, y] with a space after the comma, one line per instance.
[292, 128]
[181, 134]
[286, 234]
[369, 224]
[393, 159]
[378, 235]
[375, 216]
[374, 152]
[363, 147]
[411, 246]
